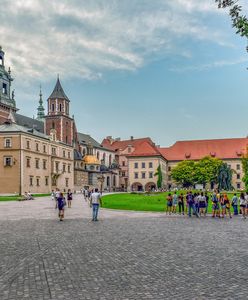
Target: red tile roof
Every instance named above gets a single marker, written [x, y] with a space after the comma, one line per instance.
[145, 149]
[117, 145]
[195, 150]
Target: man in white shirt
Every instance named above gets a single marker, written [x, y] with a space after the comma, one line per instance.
[95, 202]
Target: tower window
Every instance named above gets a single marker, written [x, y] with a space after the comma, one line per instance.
[5, 88]
[60, 107]
[53, 107]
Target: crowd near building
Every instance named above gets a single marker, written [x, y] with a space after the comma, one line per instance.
[43, 153]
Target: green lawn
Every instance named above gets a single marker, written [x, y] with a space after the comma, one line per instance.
[141, 202]
[17, 198]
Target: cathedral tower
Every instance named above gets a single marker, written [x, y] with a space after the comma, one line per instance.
[6, 97]
[58, 119]
[41, 109]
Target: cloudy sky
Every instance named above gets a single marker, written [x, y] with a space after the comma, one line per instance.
[169, 69]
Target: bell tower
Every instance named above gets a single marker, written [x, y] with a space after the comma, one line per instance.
[58, 117]
[6, 97]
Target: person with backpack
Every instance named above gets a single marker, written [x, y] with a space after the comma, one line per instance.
[61, 206]
[191, 204]
[228, 205]
[235, 204]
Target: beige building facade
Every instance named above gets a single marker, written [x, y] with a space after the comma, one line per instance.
[31, 161]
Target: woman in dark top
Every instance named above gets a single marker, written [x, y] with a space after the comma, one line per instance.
[61, 206]
[69, 198]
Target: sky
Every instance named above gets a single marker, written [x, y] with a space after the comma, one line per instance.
[168, 69]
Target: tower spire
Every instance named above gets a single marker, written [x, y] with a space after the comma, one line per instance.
[40, 109]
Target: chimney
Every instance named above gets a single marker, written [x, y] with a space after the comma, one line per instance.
[131, 137]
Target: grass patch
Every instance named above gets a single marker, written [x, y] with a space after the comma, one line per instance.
[17, 198]
[143, 202]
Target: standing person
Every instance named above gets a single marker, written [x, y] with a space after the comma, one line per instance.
[246, 198]
[57, 195]
[174, 203]
[69, 198]
[181, 204]
[242, 203]
[215, 205]
[235, 204]
[95, 202]
[207, 199]
[86, 194]
[196, 202]
[223, 205]
[53, 195]
[228, 205]
[169, 203]
[61, 206]
[191, 204]
[202, 204]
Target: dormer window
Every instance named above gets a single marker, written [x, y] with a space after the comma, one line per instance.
[213, 154]
[187, 155]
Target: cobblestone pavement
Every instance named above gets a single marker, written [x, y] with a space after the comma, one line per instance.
[152, 256]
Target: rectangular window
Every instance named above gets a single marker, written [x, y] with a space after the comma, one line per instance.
[44, 148]
[123, 174]
[90, 179]
[44, 164]
[57, 166]
[238, 167]
[169, 169]
[64, 167]
[28, 162]
[7, 161]
[37, 147]
[5, 88]
[7, 143]
[67, 182]
[136, 165]
[238, 176]
[46, 180]
[136, 175]
[28, 145]
[238, 186]
[150, 174]
[143, 175]
[123, 164]
[150, 165]
[53, 151]
[38, 181]
[69, 154]
[69, 168]
[37, 163]
[63, 153]
[31, 180]
[143, 165]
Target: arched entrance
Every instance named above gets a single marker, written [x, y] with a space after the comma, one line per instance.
[137, 187]
[150, 186]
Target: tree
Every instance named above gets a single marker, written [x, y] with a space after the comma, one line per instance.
[183, 173]
[245, 169]
[207, 170]
[160, 177]
[239, 21]
[188, 173]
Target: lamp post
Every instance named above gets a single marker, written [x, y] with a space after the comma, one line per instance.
[100, 178]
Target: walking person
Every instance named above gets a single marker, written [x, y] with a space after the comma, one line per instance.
[57, 195]
[61, 206]
[235, 204]
[69, 198]
[242, 203]
[207, 198]
[95, 202]
[181, 204]
[169, 203]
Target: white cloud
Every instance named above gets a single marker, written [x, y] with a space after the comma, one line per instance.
[84, 38]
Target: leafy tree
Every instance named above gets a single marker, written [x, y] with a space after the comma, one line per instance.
[183, 173]
[245, 170]
[239, 21]
[207, 170]
[160, 177]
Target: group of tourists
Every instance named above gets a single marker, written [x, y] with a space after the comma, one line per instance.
[65, 199]
[198, 204]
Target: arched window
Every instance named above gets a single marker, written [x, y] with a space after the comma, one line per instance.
[60, 107]
[110, 160]
[52, 106]
[53, 125]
